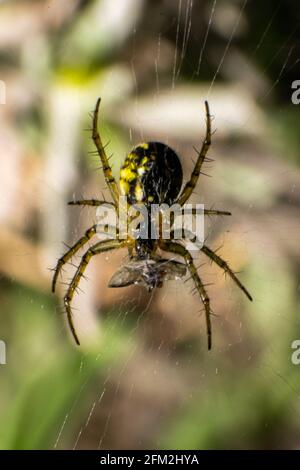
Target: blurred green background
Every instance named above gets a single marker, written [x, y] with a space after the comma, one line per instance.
[143, 377]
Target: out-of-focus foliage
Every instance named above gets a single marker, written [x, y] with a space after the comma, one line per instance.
[142, 377]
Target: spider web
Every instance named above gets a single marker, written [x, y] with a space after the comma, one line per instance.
[270, 365]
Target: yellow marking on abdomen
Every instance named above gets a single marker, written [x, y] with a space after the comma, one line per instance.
[139, 193]
[128, 174]
[124, 186]
[143, 145]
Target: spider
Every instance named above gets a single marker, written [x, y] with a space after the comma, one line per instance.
[152, 173]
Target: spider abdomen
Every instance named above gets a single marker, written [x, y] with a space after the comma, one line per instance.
[151, 173]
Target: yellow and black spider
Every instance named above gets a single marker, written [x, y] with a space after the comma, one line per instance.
[151, 174]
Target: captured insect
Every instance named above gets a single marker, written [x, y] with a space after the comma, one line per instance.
[151, 174]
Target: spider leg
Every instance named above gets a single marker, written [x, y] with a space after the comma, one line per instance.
[180, 250]
[100, 247]
[215, 212]
[195, 211]
[90, 202]
[220, 262]
[214, 257]
[73, 249]
[110, 180]
[63, 260]
[190, 185]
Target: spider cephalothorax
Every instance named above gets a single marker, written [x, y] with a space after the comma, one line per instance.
[150, 175]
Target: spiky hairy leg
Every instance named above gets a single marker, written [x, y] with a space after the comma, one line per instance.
[71, 252]
[215, 212]
[90, 202]
[110, 180]
[176, 248]
[213, 256]
[76, 247]
[195, 211]
[190, 185]
[220, 262]
[100, 247]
